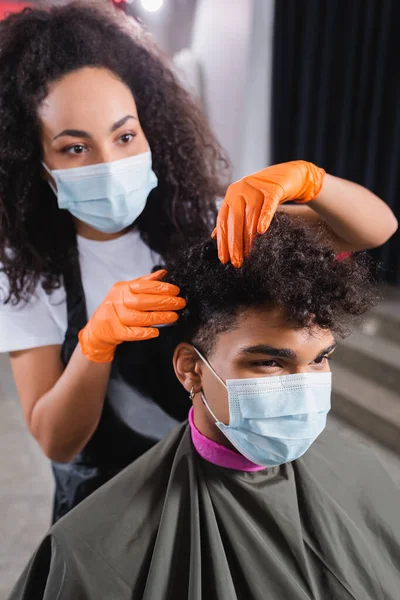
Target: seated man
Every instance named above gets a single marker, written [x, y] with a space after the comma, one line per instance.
[246, 501]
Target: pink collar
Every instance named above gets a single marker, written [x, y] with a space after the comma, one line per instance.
[217, 454]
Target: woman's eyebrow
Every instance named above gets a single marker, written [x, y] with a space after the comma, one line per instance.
[81, 133]
[121, 122]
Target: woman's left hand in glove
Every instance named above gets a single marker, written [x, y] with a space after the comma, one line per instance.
[250, 204]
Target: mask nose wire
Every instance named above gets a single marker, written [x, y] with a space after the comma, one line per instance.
[217, 376]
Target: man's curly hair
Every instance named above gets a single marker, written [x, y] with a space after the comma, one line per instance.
[287, 268]
[38, 47]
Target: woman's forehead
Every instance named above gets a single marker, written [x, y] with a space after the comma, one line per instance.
[90, 97]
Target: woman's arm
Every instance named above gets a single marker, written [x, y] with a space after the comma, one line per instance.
[62, 407]
[356, 219]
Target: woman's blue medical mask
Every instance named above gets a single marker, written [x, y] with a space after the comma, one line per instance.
[274, 420]
[108, 196]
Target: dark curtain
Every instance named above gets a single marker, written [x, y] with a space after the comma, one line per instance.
[336, 101]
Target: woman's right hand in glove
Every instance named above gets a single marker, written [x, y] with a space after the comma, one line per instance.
[130, 312]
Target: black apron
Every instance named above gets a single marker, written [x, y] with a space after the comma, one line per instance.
[137, 411]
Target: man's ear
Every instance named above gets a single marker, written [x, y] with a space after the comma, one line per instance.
[188, 367]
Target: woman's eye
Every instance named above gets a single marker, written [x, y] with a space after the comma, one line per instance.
[126, 138]
[76, 149]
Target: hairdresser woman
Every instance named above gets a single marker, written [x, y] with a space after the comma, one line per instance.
[106, 168]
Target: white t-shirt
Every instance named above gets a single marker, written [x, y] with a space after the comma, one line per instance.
[43, 320]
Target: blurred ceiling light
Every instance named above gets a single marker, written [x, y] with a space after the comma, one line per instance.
[152, 5]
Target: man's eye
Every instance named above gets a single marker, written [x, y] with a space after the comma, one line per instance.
[265, 363]
[321, 359]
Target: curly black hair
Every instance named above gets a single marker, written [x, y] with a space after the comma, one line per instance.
[37, 47]
[288, 267]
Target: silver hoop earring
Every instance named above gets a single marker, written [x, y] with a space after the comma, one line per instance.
[192, 394]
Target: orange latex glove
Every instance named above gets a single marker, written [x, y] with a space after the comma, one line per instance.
[130, 312]
[251, 202]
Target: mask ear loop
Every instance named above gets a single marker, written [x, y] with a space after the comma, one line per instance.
[210, 367]
[202, 396]
[51, 184]
[201, 391]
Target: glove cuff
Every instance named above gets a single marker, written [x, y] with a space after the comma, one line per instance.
[313, 185]
[95, 351]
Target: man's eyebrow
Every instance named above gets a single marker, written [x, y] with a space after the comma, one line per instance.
[280, 352]
[121, 122]
[326, 351]
[270, 350]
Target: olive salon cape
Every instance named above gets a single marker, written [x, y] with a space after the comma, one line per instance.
[173, 526]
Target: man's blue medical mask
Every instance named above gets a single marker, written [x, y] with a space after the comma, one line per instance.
[108, 196]
[274, 420]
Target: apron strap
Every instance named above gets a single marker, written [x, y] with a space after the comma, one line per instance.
[76, 306]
